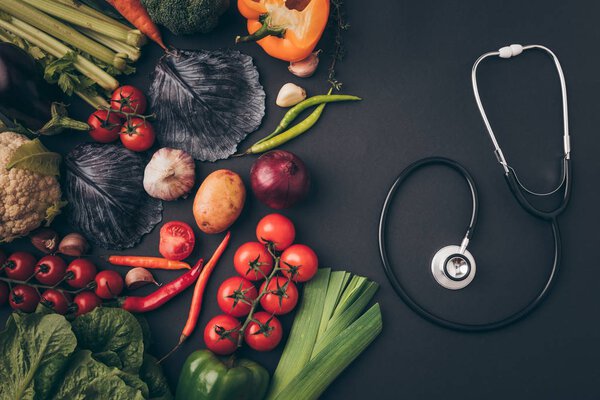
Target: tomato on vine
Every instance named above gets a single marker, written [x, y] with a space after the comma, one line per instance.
[281, 296]
[109, 284]
[104, 126]
[128, 99]
[80, 273]
[222, 334]
[264, 332]
[86, 302]
[56, 300]
[137, 134]
[50, 270]
[24, 298]
[299, 263]
[253, 261]
[235, 296]
[20, 266]
[277, 230]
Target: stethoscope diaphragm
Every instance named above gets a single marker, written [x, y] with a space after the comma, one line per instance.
[452, 269]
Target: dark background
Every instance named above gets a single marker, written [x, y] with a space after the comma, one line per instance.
[411, 62]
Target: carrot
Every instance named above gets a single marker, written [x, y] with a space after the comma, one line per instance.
[134, 12]
[147, 262]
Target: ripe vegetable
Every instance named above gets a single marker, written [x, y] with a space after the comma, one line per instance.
[264, 332]
[147, 262]
[136, 14]
[44, 239]
[279, 179]
[184, 17]
[253, 261]
[299, 263]
[289, 95]
[50, 270]
[128, 99]
[104, 126]
[281, 297]
[235, 296]
[177, 240]
[170, 174]
[109, 284]
[24, 298]
[86, 302]
[80, 273]
[221, 334]
[20, 266]
[18, 217]
[56, 300]
[276, 230]
[219, 201]
[138, 277]
[74, 245]
[137, 134]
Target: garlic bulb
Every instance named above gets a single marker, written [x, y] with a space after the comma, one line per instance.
[307, 67]
[290, 95]
[170, 174]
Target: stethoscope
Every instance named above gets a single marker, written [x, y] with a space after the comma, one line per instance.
[454, 267]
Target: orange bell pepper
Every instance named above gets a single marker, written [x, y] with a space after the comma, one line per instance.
[285, 29]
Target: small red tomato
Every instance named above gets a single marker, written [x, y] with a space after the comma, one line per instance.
[19, 266]
[109, 284]
[264, 332]
[105, 126]
[50, 270]
[177, 240]
[24, 298]
[235, 296]
[4, 291]
[221, 334]
[86, 302]
[281, 296]
[56, 300]
[80, 273]
[128, 99]
[299, 262]
[137, 134]
[250, 259]
[277, 230]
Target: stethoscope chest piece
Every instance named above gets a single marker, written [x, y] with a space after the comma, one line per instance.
[452, 268]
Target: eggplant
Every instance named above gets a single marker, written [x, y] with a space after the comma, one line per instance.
[24, 94]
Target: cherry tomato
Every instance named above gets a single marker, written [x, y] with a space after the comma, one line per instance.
[264, 335]
[235, 296]
[20, 266]
[276, 229]
[56, 300]
[50, 270]
[109, 284]
[176, 240]
[105, 126]
[221, 334]
[250, 259]
[137, 134]
[128, 99]
[281, 296]
[80, 273]
[4, 291]
[86, 302]
[24, 298]
[299, 262]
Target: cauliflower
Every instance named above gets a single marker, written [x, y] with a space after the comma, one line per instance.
[26, 198]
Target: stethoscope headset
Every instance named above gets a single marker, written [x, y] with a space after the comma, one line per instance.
[454, 267]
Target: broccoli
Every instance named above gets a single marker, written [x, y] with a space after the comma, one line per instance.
[186, 16]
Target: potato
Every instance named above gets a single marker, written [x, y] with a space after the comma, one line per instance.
[219, 201]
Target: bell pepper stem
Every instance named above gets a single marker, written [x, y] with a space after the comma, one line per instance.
[265, 30]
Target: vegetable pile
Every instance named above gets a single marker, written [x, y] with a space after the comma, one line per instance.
[97, 355]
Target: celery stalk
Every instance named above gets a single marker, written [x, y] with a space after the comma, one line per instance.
[76, 17]
[98, 102]
[93, 12]
[60, 31]
[133, 53]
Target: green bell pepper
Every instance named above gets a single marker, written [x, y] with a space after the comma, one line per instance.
[204, 376]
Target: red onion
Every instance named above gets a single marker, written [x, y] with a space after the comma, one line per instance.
[279, 179]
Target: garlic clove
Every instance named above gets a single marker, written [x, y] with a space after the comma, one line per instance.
[307, 67]
[170, 174]
[74, 245]
[138, 277]
[290, 95]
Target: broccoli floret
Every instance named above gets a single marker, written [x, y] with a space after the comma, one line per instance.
[186, 16]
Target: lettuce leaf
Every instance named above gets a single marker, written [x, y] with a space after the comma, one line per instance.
[151, 372]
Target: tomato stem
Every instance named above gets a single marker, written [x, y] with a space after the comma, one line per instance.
[36, 285]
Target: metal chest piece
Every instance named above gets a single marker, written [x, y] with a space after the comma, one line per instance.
[453, 267]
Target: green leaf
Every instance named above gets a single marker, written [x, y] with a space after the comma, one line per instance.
[35, 350]
[35, 157]
[113, 336]
[152, 373]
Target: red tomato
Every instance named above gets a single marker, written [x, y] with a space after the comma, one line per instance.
[4, 291]
[137, 134]
[50, 270]
[109, 284]
[86, 302]
[276, 229]
[24, 298]
[19, 266]
[221, 334]
[235, 296]
[56, 300]
[252, 258]
[177, 240]
[80, 273]
[105, 126]
[281, 296]
[264, 335]
[128, 99]
[299, 262]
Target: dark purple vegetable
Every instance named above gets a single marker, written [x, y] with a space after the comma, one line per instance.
[279, 179]
[206, 102]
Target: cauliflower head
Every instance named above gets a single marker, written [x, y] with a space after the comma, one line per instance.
[183, 17]
[26, 198]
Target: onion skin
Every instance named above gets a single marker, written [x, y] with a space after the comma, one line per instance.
[279, 179]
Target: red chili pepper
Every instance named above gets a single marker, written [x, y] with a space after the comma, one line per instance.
[164, 293]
